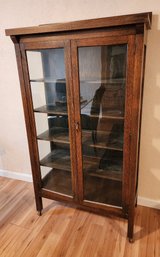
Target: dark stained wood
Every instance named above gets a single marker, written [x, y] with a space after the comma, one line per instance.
[101, 41]
[76, 176]
[75, 44]
[43, 45]
[144, 18]
[73, 35]
[78, 131]
[112, 175]
[71, 118]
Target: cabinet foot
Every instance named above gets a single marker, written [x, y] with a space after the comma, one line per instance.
[39, 213]
[131, 240]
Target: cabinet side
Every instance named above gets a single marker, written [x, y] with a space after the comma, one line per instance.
[137, 93]
[36, 180]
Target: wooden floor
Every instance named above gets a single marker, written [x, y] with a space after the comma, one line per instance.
[66, 232]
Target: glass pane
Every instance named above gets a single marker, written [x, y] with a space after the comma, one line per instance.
[48, 88]
[102, 74]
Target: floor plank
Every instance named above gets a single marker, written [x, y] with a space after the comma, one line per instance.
[63, 231]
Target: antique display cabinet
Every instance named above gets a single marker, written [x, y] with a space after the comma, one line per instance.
[82, 85]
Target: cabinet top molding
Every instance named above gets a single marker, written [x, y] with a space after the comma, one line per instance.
[123, 20]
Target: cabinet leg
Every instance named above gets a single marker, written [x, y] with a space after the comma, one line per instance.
[136, 202]
[130, 234]
[131, 240]
[39, 205]
[39, 213]
[130, 227]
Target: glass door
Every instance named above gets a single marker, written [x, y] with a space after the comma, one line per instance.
[49, 93]
[101, 79]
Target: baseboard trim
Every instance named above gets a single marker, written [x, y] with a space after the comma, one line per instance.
[149, 202]
[16, 175]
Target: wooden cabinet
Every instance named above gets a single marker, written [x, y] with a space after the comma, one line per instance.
[81, 86]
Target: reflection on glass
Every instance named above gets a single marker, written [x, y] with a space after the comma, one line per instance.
[48, 87]
[102, 73]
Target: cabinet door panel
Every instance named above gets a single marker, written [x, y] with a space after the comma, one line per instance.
[104, 84]
[49, 93]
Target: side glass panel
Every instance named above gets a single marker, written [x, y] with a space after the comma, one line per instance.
[48, 88]
[102, 75]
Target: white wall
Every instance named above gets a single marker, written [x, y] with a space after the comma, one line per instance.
[16, 13]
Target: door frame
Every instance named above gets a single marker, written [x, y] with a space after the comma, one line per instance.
[30, 119]
[126, 177]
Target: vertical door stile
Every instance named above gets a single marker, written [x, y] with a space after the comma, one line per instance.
[77, 120]
[71, 116]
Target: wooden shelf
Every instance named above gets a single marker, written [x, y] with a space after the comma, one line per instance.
[63, 137]
[55, 109]
[108, 81]
[102, 141]
[52, 109]
[107, 114]
[104, 191]
[95, 188]
[111, 175]
[91, 168]
[57, 135]
[62, 110]
[59, 181]
[47, 80]
[58, 159]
